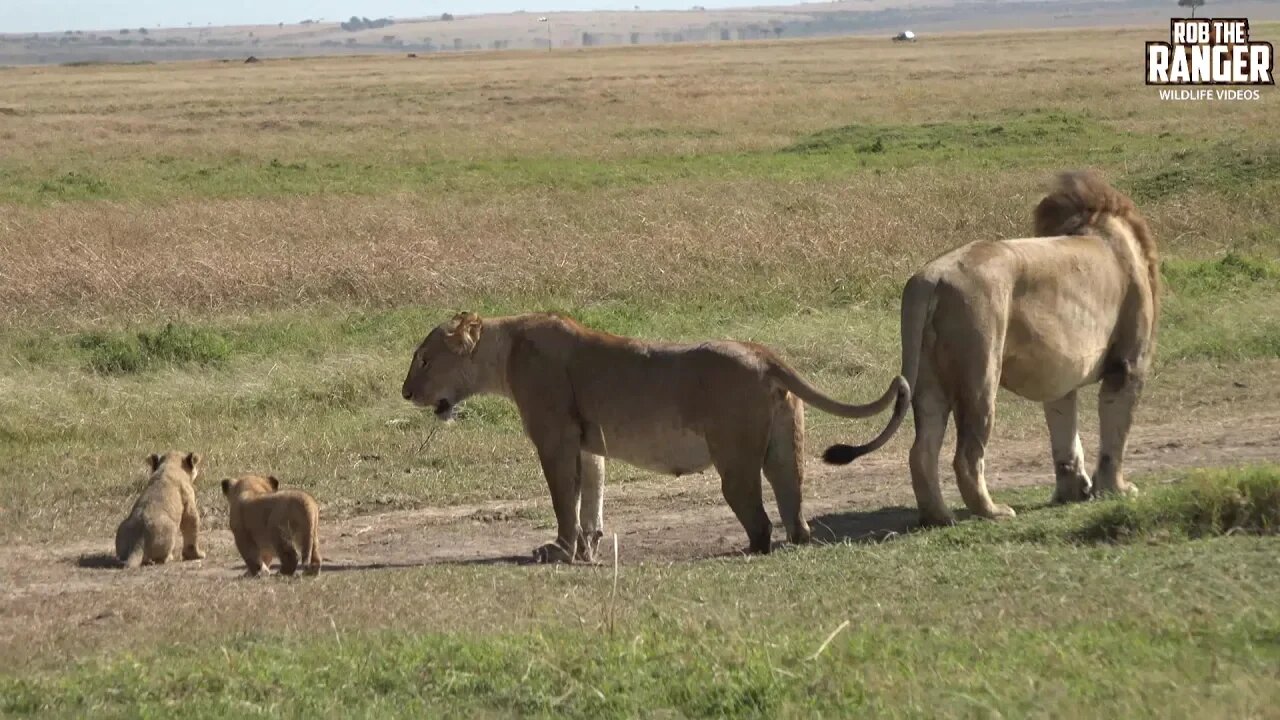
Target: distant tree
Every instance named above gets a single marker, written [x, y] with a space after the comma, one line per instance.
[142, 31]
[1193, 4]
[446, 16]
[124, 31]
[777, 31]
[68, 33]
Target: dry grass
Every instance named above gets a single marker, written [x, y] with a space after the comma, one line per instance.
[200, 187]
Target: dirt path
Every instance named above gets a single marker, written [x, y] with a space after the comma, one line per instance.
[661, 519]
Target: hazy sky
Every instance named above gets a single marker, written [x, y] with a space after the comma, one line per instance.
[50, 15]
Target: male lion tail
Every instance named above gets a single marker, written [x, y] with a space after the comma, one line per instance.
[133, 557]
[899, 388]
[917, 308]
[1081, 201]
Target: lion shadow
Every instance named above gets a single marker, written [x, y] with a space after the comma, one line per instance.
[883, 524]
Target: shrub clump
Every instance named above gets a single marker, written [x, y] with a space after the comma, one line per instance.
[113, 354]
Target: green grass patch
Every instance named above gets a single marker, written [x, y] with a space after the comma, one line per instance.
[1220, 167]
[173, 345]
[1032, 139]
[1228, 274]
[1019, 131]
[920, 626]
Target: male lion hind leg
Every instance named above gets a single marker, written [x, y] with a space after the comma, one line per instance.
[560, 460]
[1072, 482]
[590, 506]
[931, 412]
[975, 417]
[1116, 403]
[784, 468]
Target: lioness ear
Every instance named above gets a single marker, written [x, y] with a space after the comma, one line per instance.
[464, 333]
[154, 461]
[226, 487]
[275, 484]
[191, 461]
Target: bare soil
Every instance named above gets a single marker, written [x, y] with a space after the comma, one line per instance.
[656, 519]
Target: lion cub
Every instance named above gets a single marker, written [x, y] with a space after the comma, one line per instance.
[165, 512]
[268, 523]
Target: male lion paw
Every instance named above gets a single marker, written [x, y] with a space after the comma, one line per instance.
[1001, 512]
[552, 553]
[588, 544]
[192, 554]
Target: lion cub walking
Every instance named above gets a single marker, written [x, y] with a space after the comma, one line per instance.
[165, 512]
[270, 523]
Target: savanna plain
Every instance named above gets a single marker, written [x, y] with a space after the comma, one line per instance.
[239, 260]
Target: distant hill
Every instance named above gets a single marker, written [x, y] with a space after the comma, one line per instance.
[453, 33]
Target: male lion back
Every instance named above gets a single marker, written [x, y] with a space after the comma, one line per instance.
[1077, 202]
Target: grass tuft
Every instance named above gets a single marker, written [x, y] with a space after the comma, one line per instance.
[1208, 503]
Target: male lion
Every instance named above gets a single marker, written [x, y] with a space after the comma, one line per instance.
[1042, 317]
[164, 515]
[585, 395]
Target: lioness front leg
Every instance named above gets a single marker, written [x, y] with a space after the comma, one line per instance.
[560, 460]
[590, 505]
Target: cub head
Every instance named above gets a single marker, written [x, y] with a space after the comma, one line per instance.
[444, 371]
[249, 485]
[189, 462]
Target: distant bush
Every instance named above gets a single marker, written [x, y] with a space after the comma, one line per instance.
[359, 23]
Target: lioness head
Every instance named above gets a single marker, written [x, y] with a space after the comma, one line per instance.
[250, 485]
[190, 462]
[443, 372]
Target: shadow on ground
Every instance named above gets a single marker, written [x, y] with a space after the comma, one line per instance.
[99, 561]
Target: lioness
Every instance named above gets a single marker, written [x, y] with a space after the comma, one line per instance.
[164, 514]
[1041, 317]
[267, 523]
[585, 395]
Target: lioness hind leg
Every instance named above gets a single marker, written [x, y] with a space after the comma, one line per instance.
[740, 484]
[1072, 482]
[1116, 403]
[784, 468]
[590, 505]
[975, 416]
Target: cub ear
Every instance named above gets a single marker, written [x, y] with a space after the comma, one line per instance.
[464, 333]
[153, 461]
[275, 484]
[226, 487]
[191, 461]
